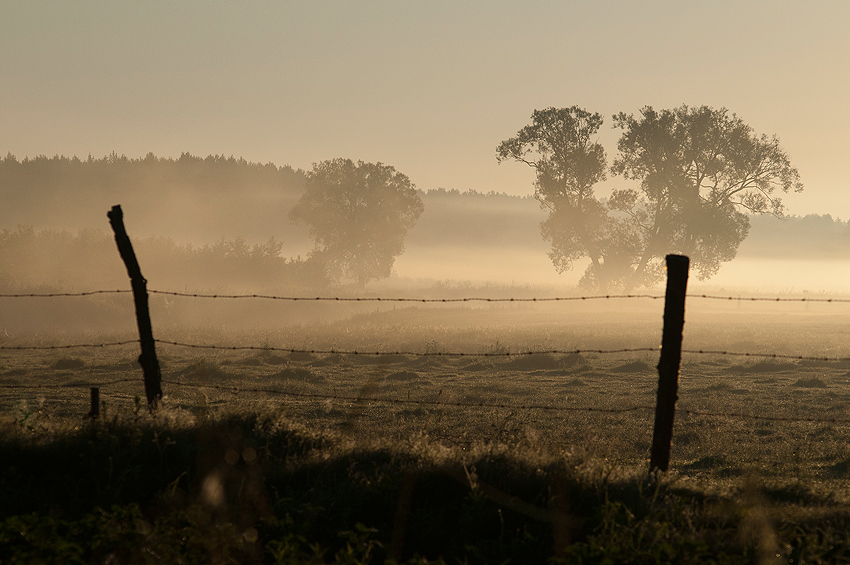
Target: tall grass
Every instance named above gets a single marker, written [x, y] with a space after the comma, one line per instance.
[236, 487]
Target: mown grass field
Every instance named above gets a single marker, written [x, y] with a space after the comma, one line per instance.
[270, 456]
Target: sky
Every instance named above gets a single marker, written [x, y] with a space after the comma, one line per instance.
[429, 87]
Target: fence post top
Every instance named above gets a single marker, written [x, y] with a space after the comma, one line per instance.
[677, 259]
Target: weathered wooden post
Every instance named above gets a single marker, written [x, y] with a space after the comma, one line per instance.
[94, 410]
[147, 359]
[670, 361]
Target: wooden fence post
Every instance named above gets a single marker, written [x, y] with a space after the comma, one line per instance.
[668, 364]
[147, 359]
[94, 411]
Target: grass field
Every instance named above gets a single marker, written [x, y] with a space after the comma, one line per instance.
[271, 456]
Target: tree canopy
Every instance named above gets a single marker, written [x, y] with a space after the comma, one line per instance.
[558, 145]
[698, 171]
[358, 215]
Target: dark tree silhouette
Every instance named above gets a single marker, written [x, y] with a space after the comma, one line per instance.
[358, 215]
[699, 170]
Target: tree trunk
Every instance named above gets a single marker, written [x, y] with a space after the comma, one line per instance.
[648, 253]
[631, 282]
[600, 279]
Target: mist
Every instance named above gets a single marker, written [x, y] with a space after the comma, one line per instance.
[178, 210]
[221, 225]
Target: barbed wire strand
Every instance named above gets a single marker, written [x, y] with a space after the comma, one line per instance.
[768, 299]
[406, 353]
[429, 353]
[448, 403]
[546, 407]
[482, 299]
[386, 400]
[401, 299]
[500, 354]
[765, 355]
[57, 294]
[427, 300]
[458, 404]
[742, 416]
[71, 385]
[66, 346]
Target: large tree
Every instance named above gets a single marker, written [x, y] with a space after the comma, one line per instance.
[698, 169]
[558, 144]
[358, 215]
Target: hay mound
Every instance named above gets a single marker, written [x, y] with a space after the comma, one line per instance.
[633, 367]
[301, 356]
[403, 376]
[810, 383]
[202, 369]
[534, 362]
[478, 366]
[762, 367]
[68, 363]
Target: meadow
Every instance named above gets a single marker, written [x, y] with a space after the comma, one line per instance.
[272, 455]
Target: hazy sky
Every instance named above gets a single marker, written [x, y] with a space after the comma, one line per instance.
[429, 87]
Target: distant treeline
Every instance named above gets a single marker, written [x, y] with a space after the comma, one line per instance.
[222, 199]
[49, 260]
[494, 219]
[114, 174]
[813, 236]
[475, 219]
[189, 198]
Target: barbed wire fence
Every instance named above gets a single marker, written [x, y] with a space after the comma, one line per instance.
[437, 354]
[672, 378]
[407, 353]
[827, 300]
[437, 403]
[360, 399]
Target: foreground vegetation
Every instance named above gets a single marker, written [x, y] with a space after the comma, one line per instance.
[248, 487]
